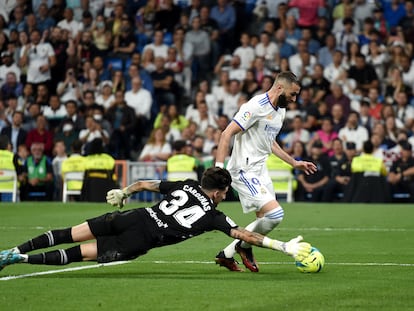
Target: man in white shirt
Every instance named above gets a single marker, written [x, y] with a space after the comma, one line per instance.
[245, 52]
[140, 100]
[39, 57]
[8, 66]
[160, 49]
[254, 128]
[74, 27]
[353, 132]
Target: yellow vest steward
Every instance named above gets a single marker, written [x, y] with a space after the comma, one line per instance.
[100, 161]
[6, 162]
[274, 163]
[74, 164]
[367, 163]
[181, 163]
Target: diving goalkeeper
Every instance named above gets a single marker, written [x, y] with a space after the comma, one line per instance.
[187, 210]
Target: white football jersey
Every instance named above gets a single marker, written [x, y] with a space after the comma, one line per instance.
[261, 123]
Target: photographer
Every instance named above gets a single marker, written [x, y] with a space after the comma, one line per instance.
[69, 89]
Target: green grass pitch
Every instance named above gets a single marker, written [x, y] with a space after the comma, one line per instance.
[369, 254]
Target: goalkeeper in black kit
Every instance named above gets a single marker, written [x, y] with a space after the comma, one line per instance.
[188, 209]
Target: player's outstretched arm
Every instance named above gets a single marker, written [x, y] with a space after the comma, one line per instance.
[295, 248]
[117, 197]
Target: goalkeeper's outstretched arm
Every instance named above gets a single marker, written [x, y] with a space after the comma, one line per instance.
[117, 197]
[295, 248]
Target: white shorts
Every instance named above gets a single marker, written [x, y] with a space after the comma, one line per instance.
[254, 189]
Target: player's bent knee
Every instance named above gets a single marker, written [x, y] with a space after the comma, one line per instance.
[270, 220]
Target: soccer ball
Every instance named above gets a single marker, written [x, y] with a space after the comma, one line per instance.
[313, 263]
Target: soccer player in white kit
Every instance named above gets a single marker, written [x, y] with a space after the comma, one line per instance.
[254, 128]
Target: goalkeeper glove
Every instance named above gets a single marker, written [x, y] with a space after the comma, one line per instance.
[116, 197]
[297, 249]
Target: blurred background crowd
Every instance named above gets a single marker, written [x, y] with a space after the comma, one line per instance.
[140, 75]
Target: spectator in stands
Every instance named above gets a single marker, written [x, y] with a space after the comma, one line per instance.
[178, 121]
[123, 121]
[70, 24]
[394, 83]
[203, 118]
[73, 116]
[320, 86]
[326, 136]
[11, 87]
[92, 131]
[285, 48]
[401, 174]
[158, 46]
[225, 16]
[338, 118]
[86, 49]
[70, 88]
[308, 11]
[8, 65]
[201, 54]
[141, 101]
[326, 53]
[403, 110]
[101, 36]
[105, 97]
[156, 148]
[298, 133]
[302, 63]
[41, 134]
[250, 85]
[103, 73]
[336, 66]
[165, 88]
[39, 172]
[311, 187]
[39, 57]
[14, 132]
[267, 48]
[353, 132]
[338, 97]
[231, 98]
[43, 20]
[67, 134]
[54, 112]
[167, 16]
[171, 134]
[245, 51]
[364, 74]
[124, 42]
[147, 60]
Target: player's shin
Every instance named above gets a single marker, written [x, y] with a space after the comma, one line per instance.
[56, 257]
[47, 239]
[265, 224]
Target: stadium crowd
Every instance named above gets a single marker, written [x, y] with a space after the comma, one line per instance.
[141, 75]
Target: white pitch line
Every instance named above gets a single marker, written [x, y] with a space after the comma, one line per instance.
[22, 276]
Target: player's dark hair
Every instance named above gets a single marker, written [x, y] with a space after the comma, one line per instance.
[288, 77]
[216, 178]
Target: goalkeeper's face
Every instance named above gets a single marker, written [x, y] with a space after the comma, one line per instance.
[219, 195]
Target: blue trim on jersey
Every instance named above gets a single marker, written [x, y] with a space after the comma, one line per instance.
[249, 186]
[268, 100]
[264, 101]
[276, 215]
[239, 124]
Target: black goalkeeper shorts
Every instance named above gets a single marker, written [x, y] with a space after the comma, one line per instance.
[121, 235]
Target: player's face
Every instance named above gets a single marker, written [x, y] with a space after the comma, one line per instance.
[219, 196]
[288, 96]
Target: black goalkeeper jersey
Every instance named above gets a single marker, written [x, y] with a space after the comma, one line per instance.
[186, 211]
